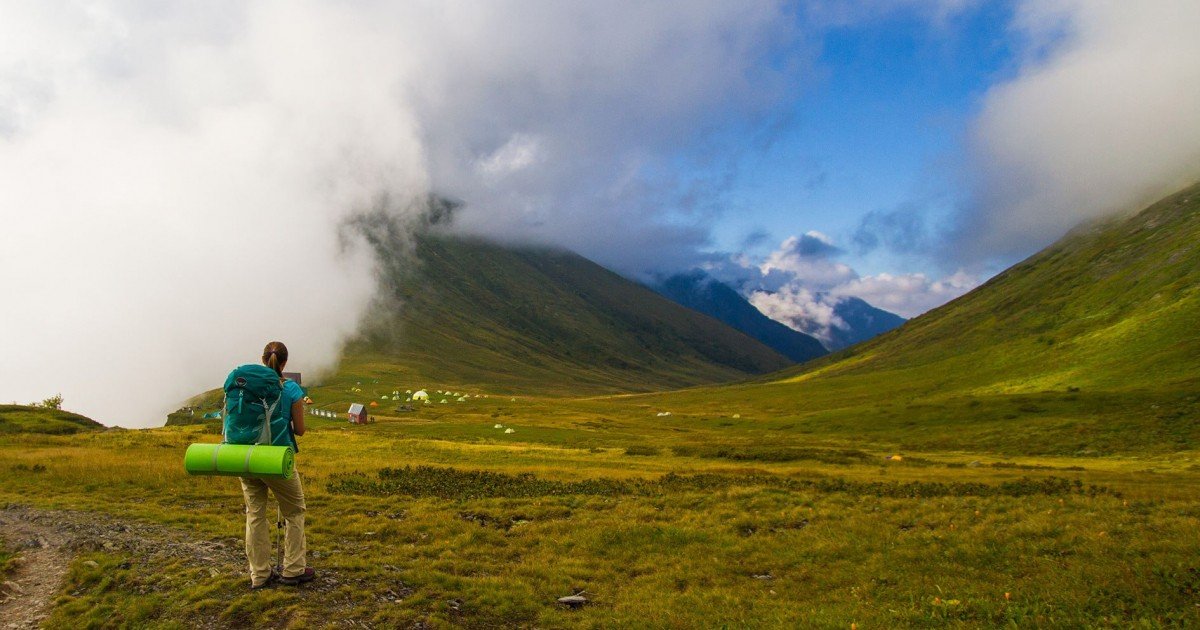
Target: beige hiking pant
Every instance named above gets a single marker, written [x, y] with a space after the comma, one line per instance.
[290, 495]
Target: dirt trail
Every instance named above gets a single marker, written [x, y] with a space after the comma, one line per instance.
[47, 540]
[26, 595]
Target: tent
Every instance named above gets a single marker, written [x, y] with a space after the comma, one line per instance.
[420, 395]
[374, 404]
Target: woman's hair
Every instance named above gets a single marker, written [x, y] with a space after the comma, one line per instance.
[275, 356]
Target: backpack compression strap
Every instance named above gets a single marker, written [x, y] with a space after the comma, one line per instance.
[264, 435]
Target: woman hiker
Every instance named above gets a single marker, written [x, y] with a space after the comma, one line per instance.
[288, 492]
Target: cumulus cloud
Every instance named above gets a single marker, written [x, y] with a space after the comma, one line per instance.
[1100, 118]
[908, 294]
[801, 284]
[173, 176]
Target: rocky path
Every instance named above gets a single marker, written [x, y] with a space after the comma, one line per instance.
[26, 594]
[47, 541]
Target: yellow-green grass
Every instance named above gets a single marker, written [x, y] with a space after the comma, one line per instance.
[668, 556]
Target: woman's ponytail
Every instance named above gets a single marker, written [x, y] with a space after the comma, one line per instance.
[275, 356]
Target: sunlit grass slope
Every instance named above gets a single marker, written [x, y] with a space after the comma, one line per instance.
[28, 419]
[1112, 305]
[1091, 346]
[525, 318]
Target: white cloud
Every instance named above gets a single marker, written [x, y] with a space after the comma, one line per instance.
[800, 285]
[1101, 118]
[800, 309]
[909, 294]
[172, 175]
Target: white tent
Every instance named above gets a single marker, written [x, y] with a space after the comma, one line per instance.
[420, 395]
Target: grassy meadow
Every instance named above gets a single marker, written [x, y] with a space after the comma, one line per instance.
[1025, 456]
[697, 519]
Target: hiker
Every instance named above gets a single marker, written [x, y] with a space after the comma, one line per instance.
[288, 492]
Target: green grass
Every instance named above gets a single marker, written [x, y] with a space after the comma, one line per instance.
[8, 560]
[510, 319]
[446, 509]
[1026, 456]
[28, 419]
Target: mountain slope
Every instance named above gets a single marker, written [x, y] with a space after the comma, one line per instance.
[475, 313]
[1111, 305]
[1089, 347]
[700, 292]
[862, 321]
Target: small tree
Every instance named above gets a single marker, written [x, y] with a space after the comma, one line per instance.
[53, 402]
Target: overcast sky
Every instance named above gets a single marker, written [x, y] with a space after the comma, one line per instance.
[172, 175]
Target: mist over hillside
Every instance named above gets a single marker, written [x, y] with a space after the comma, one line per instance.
[467, 311]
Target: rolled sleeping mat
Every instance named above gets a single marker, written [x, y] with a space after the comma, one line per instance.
[240, 460]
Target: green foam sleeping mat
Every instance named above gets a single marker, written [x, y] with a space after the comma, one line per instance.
[240, 460]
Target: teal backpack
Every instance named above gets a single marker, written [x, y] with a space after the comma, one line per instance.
[252, 395]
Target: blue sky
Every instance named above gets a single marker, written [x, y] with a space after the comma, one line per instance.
[881, 127]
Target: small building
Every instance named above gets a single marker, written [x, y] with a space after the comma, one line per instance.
[357, 414]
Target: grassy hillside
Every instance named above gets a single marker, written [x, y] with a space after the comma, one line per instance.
[1111, 306]
[519, 319]
[1090, 346]
[27, 419]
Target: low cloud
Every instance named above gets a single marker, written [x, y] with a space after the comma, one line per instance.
[801, 283]
[1100, 118]
[173, 178]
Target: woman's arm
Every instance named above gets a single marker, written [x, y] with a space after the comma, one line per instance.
[298, 417]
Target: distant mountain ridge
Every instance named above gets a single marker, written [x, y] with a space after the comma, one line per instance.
[800, 340]
[470, 312]
[862, 322]
[701, 292]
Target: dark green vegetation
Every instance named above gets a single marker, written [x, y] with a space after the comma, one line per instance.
[28, 419]
[477, 314]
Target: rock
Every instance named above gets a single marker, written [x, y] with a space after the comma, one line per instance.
[13, 587]
[975, 464]
[91, 564]
[573, 601]
[765, 576]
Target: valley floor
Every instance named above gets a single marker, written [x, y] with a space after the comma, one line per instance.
[436, 518]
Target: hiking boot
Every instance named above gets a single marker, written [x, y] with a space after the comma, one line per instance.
[270, 581]
[297, 580]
